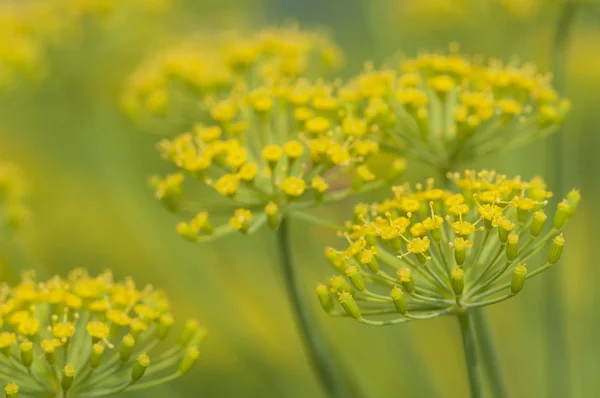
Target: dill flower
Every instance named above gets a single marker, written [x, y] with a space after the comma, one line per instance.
[13, 193]
[277, 165]
[172, 84]
[449, 108]
[428, 252]
[89, 336]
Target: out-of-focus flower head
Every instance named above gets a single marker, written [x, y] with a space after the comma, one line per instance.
[448, 108]
[428, 251]
[29, 28]
[268, 152]
[175, 83]
[89, 336]
[13, 194]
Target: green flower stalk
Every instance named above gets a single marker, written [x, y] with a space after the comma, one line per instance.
[87, 336]
[448, 109]
[429, 252]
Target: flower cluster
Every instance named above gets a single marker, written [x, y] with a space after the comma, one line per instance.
[88, 337]
[176, 82]
[271, 151]
[448, 108]
[13, 192]
[430, 251]
[28, 28]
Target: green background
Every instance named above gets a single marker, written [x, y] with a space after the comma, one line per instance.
[88, 165]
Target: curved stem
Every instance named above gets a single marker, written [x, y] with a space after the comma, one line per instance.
[470, 348]
[489, 353]
[330, 373]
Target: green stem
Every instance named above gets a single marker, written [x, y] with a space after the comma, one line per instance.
[330, 373]
[556, 363]
[470, 348]
[489, 353]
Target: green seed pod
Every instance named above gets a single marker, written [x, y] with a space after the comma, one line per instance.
[539, 220]
[556, 249]
[272, 211]
[164, 326]
[399, 300]
[502, 234]
[139, 367]
[518, 279]
[11, 390]
[26, 348]
[356, 278]
[460, 255]
[324, 297]
[189, 359]
[189, 332]
[458, 281]
[512, 247]
[349, 305]
[67, 377]
[96, 357]
[127, 345]
[522, 215]
[406, 279]
[563, 212]
[436, 234]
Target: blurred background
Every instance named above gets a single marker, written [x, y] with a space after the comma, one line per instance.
[88, 164]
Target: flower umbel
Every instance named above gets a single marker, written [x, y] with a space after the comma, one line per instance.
[89, 336]
[428, 252]
[449, 108]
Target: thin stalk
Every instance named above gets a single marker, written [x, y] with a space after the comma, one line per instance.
[557, 364]
[330, 373]
[470, 348]
[489, 353]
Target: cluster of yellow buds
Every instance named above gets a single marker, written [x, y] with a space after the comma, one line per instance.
[271, 151]
[449, 108]
[13, 192]
[89, 336]
[175, 82]
[428, 251]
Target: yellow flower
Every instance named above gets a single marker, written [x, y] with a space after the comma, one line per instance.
[293, 186]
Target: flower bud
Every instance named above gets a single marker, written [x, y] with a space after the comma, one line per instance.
[67, 378]
[458, 280]
[139, 367]
[189, 359]
[127, 345]
[349, 305]
[460, 246]
[26, 348]
[512, 247]
[573, 198]
[356, 278]
[11, 390]
[518, 279]
[339, 284]
[164, 326]
[96, 357]
[272, 211]
[334, 258]
[539, 220]
[556, 249]
[406, 279]
[399, 300]
[563, 212]
[368, 259]
[189, 332]
[324, 297]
